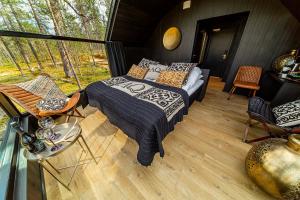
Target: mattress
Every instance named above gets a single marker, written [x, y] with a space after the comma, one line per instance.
[195, 87]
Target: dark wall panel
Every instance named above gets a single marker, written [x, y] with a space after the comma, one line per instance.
[270, 31]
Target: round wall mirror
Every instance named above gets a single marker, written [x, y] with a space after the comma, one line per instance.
[172, 38]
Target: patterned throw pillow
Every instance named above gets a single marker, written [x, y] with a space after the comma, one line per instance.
[51, 104]
[287, 114]
[182, 67]
[154, 70]
[146, 62]
[171, 78]
[137, 72]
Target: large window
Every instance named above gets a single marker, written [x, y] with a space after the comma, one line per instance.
[73, 18]
[29, 46]
[3, 124]
[72, 64]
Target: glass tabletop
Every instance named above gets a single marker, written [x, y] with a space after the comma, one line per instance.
[68, 134]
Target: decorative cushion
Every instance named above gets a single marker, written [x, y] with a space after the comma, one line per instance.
[171, 78]
[146, 62]
[182, 67]
[154, 70]
[137, 72]
[287, 114]
[51, 104]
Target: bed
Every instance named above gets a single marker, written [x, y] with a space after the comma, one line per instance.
[144, 110]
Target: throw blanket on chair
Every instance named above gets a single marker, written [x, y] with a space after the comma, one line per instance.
[144, 110]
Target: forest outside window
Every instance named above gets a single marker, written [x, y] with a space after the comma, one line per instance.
[3, 125]
[72, 64]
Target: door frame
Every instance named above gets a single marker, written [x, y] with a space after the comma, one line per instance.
[238, 19]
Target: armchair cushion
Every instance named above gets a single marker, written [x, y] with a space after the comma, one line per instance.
[288, 114]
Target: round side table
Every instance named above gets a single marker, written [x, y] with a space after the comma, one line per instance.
[69, 133]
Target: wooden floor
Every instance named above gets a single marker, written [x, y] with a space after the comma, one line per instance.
[204, 158]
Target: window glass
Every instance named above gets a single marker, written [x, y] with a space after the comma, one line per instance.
[3, 124]
[74, 18]
[64, 61]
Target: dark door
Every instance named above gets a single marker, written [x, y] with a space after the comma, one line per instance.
[218, 47]
[216, 42]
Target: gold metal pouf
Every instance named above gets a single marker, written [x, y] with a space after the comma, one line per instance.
[274, 165]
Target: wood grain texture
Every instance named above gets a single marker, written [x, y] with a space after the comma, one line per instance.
[204, 158]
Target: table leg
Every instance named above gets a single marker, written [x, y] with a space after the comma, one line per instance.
[52, 166]
[75, 168]
[81, 145]
[88, 148]
[54, 176]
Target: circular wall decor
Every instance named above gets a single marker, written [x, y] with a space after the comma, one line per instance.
[172, 38]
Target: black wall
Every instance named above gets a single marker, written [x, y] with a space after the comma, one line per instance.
[270, 31]
[135, 21]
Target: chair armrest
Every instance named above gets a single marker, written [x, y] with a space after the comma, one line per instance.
[296, 130]
[70, 104]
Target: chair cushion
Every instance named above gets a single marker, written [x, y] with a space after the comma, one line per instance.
[137, 72]
[260, 110]
[288, 114]
[246, 85]
[51, 104]
[43, 86]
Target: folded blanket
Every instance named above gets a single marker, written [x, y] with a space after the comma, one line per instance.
[152, 109]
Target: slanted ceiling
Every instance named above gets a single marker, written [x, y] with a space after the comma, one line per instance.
[136, 20]
[293, 6]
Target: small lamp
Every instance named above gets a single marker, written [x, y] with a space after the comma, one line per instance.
[187, 4]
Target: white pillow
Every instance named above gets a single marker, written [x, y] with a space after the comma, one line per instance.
[154, 70]
[193, 77]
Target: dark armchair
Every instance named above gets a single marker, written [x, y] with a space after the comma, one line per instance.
[261, 111]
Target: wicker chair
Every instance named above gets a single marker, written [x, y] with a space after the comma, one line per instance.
[247, 77]
[28, 100]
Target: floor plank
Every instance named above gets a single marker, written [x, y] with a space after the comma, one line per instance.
[204, 157]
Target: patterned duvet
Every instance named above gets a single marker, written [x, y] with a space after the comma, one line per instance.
[144, 110]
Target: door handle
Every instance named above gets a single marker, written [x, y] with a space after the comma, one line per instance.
[224, 55]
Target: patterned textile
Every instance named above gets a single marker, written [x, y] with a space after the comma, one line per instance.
[288, 114]
[51, 104]
[137, 72]
[185, 67]
[172, 78]
[146, 62]
[154, 70]
[44, 87]
[168, 101]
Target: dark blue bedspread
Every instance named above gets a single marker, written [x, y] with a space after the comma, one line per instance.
[141, 120]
